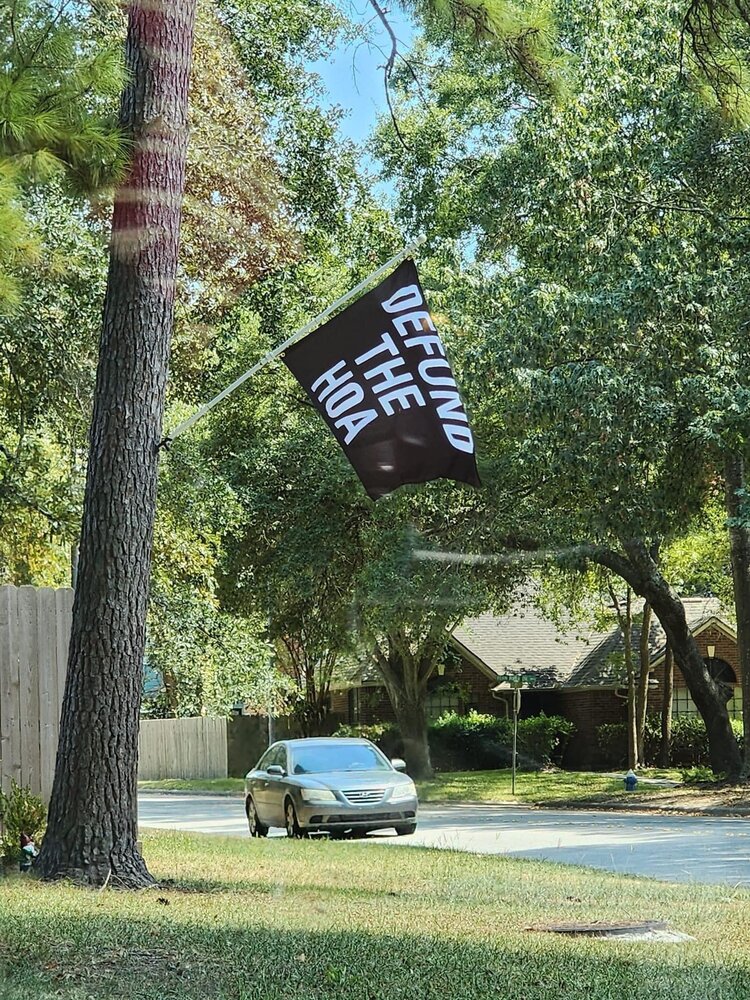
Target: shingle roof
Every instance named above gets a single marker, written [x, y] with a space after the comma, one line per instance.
[560, 656]
[569, 655]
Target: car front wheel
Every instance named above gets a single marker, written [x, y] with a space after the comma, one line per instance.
[293, 829]
[406, 829]
[256, 828]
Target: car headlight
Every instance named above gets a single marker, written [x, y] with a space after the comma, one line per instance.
[404, 791]
[317, 796]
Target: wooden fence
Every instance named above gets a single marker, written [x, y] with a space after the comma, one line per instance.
[183, 748]
[34, 636]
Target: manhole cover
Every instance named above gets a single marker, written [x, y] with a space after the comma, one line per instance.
[630, 930]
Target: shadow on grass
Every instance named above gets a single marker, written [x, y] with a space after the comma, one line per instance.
[266, 887]
[100, 955]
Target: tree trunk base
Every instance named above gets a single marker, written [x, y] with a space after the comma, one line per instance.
[126, 872]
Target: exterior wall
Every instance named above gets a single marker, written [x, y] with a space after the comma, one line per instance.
[587, 710]
[726, 649]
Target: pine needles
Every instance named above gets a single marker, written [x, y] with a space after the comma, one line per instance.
[58, 100]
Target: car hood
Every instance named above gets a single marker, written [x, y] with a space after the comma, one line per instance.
[350, 780]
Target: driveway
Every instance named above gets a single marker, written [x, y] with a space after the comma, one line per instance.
[673, 848]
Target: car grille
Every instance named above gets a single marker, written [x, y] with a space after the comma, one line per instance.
[364, 796]
[361, 818]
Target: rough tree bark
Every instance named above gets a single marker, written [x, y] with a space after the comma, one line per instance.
[739, 547]
[91, 833]
[665, 750]
[638, 568]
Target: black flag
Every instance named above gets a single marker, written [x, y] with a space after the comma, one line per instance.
[378, 374]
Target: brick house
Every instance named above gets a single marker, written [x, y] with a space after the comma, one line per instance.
[578, 673]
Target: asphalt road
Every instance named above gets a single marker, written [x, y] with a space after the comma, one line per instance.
[673, 848]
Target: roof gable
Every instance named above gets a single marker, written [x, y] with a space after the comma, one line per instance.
[573, 655]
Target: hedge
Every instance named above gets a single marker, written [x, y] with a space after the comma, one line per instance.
[688, 747]
[476, 742]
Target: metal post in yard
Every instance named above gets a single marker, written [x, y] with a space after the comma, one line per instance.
[516, 711]
[514, 683]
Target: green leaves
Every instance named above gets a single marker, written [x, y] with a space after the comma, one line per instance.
[59, 84]
[599, 317]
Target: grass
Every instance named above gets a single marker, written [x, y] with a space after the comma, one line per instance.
[219, 786]
[539, 788]
[545, 788]
[536, 787]
[241, 920]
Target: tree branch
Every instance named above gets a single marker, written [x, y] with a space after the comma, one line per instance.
[388, 68]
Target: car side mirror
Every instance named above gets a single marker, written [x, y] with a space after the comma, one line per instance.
[398, 764]
[277, 770]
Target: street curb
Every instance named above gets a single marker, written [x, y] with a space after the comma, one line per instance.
[185, 792]
[554, 806]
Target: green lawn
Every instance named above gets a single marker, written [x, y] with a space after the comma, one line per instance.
[552, 787]
[220, 786]
[235, 920]
[535, 787]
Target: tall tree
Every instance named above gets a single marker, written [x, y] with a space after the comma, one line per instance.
[410, 599]
[97, 753]
[624, 612]
[600, 322]
[739, 546]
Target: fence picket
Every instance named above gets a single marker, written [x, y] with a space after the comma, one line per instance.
[34, 638]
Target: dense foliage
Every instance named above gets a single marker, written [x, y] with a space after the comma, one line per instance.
[477, 742]
[587, 265]
[688, 743]
[21, 815]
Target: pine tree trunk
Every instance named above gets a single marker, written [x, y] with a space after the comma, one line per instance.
[92, 829]
[665, 750]
[739, 547]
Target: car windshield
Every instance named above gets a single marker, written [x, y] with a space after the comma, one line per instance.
[336, 757]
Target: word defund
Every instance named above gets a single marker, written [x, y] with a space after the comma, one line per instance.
[407, 368]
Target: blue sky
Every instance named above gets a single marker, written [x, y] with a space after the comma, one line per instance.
[352, 75]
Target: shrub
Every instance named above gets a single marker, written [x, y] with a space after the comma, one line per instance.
[20, 812]
[472, 742]
[612, 741]
[476, 742]
[700, 775]
[688, 746]
[543, 738]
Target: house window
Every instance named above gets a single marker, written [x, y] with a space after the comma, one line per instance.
[442, 699]
[720, 670]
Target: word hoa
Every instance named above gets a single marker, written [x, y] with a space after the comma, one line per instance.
[407, 368]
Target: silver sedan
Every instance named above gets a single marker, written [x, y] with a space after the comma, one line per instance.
[344, 787]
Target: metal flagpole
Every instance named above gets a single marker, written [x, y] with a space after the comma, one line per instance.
[308, 328]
